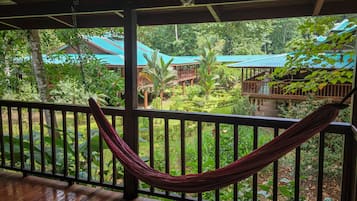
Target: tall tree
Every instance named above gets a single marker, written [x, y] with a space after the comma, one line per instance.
[37, 64]
[284, 30]
[40, 73]
[11, 49]
[159, 72]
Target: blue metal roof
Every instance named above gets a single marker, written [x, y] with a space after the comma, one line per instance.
[227, 58]
[116, 47]
[340, 28]
[276, 61]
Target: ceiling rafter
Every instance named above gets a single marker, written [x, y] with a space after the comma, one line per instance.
[61, 21]
[119, 14]
[214, 13]
[9, 25]
[105, 13]
[318, 7]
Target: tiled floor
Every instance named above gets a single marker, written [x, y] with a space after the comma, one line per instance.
[13, 187]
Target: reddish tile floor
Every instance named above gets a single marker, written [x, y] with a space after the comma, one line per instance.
[13, 187]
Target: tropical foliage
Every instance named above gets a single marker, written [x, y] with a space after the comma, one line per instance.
[159, 72]
[308, 51]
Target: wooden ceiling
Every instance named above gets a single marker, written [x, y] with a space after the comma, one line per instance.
[40, 14]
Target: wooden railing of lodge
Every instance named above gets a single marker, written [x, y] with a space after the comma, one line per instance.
[73, 151]
[264, 89]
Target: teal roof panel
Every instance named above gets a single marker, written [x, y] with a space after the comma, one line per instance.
[116, 47]
[276, 61]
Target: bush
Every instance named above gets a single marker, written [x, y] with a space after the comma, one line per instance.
[333, 143]
[71, 92]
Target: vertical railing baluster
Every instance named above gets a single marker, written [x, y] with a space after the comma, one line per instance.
[21, 136]
[321, 166]
[255, 176]
[53, 141]
[9, 121]
[183, 151]
[151, 139]
[115, 173]
[65, 143]
[199, 152]
[89, 149]
[2, 140]
[297, 174]
[101, 160]
[32, 157]
[42, 140]
[235, 157]
[275, 171]
[76, 151]
[167, 150]
[217, 153]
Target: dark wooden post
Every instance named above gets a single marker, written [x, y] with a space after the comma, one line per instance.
[130, 119]
[241, 81]
[146, 99]
[349, 184]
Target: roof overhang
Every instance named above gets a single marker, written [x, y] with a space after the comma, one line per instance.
[40, 14]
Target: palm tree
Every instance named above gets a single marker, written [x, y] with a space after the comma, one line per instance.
[208, 63]
[159, 72]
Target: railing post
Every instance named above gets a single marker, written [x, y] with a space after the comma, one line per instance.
[349, 182]
[348, 188]
[130, 120]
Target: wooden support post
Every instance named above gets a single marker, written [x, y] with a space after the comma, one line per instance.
[241, 80]
[192, 82]
[130, 120]
[183, 87]
[146, 102]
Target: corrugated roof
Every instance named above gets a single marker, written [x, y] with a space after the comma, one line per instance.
[276, 61]
[341, 26]
[227, 58]
[116, 47]
[345, 26]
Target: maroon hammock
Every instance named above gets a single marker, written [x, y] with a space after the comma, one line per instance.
[240, 169]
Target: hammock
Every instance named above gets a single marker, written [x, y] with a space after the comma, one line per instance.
[246, 166]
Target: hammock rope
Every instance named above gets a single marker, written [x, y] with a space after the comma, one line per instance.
[240, 169]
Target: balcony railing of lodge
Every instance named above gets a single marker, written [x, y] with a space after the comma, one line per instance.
[263, 88]
[72, 150]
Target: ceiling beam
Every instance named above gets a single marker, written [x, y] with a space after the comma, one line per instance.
[9, 25]
[59, 8]
[213, 13]
[318, 6]
[61, 21]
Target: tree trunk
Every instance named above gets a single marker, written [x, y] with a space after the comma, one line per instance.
[81, 66]
[39, 72]
[161, 97]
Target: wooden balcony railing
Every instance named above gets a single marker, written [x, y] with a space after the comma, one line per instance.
[182, 75]
[186, 74]
[172, 142]
[263, 89]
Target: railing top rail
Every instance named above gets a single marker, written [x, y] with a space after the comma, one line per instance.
[59, 107]
[271, 122]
